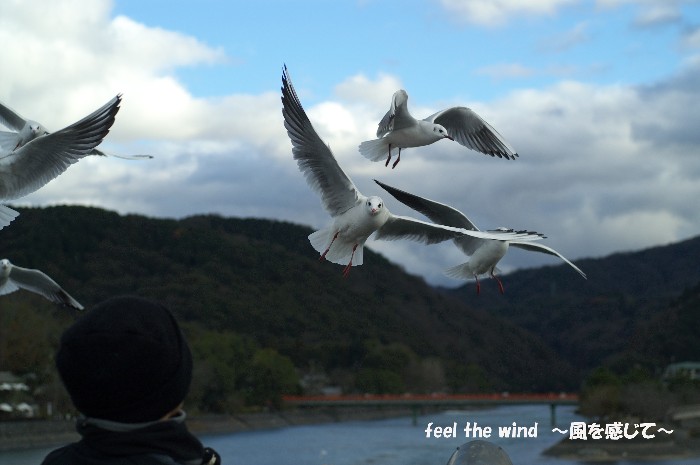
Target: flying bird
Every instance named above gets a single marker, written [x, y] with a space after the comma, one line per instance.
[399, 130]
[27, 130]
[31, 156]
[485, 254]
[13, 278]
[355, 216]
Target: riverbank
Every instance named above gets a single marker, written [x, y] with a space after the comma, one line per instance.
[680, 444]
[27, 434]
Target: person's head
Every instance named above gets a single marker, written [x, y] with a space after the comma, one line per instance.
[125, 360]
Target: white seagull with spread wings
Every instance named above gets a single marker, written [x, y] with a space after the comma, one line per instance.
[355, 216]
[399, 130]
[13, 278]
[31, 157]
[27, 130]
[485, 254]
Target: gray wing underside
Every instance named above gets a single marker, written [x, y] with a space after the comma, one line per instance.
[31, 166]
[39, 283]
[10, 119]
[472, 131]
[438, 213]
[405, 227]
[314, 157]
[533, 247]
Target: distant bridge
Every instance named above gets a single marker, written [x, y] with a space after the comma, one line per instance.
[419, 402]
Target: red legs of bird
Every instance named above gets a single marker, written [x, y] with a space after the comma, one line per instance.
[388, 158]
[323, 255]
[398, 159]
[500, 284]
[346, 270]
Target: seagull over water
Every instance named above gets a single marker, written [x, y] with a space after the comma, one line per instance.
[355, 216]
[485, 254]
[32, 156]
[13, 278]
[399, 130]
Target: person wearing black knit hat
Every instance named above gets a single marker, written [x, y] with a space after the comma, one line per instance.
[127, 368]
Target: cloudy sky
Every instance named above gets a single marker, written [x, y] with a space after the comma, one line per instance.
[601, 98]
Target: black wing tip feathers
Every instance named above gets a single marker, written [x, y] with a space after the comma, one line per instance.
[517, 231]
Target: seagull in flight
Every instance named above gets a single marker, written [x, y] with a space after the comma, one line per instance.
[355, 216]
[399, 130]
[30, 156]
[485, 254]
[27, 130]
[13, 278]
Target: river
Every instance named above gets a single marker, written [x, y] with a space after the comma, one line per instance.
[387, 442]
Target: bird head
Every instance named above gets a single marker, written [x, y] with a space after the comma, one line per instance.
[440, 131]
[374, 205]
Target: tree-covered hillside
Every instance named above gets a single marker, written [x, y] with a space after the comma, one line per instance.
[253, 296]
[594, 321]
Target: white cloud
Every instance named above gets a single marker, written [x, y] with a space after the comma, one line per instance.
[603, 167]
[506, 70]
[498, 12]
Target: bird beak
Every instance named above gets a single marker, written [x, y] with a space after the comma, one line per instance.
[450, 137]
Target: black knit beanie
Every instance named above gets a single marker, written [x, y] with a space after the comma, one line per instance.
[125, 360]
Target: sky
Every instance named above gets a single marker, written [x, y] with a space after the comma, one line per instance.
[601, 99]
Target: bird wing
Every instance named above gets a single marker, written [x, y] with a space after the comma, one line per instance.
[100, 153]
[470, 130]
[8, 287]
[405, 227]
[7, 215]
[8, 141]
[398, 116]
[10, 119]
[37, 162]
[544, 249]
[314, 157]
[39, 283]
[438, 213]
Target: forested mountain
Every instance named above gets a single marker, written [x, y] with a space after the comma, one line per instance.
[259, 306]
[247, 288]
[615, 316]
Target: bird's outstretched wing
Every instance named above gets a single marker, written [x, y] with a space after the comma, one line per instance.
[548, 250]
[100, 153]
[405, 227]
[40, 160]
[398, 116]
[39, 283]
[7, 215]
[470, 130]
[314, 157]
[438, 213]
[10, 119]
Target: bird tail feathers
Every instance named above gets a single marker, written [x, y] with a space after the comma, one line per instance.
[376, 149]
[461, 271]
[464, 271]
[340, 251]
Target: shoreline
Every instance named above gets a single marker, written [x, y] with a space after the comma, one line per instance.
[38, 434]
[681, 446]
